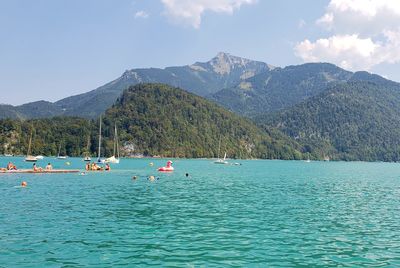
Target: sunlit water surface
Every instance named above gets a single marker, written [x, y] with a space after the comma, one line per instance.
[261, 213]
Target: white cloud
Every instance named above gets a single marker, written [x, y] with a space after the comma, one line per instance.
[190, 11]
[365, 33]
[141, 14]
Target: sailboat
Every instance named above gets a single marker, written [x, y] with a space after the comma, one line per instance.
[59, 151]
[113, 159]
[99, 160]
[219, 160]
[29, 157]
[87, 157]
[308, 158]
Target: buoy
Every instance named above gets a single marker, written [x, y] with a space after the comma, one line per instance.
[24, 184]
[68, 163]
[151, 164]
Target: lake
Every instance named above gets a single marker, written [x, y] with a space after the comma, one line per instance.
[261, 213]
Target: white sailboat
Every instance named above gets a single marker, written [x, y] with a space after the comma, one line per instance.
[29, 157]
[113, 159]
[59, 151]
[87, 158]
[99, 160]
[219, 160]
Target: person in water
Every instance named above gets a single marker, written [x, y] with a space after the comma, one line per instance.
[49, 167]
[87, 167]
[108, 168]
[36, 168]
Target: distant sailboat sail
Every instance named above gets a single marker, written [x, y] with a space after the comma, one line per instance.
[87, 156]
[113, 159]
[59, 156]
[219, 160]
[29, 157]
[99, 160]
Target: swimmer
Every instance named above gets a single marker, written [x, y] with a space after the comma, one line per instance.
[134, 178]
[108, 168]
[24, 184]
[151, 178]
[187, 174]
[151, 164]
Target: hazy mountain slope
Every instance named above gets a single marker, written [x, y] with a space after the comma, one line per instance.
[280, 88]
[200, 78]
[351, 121]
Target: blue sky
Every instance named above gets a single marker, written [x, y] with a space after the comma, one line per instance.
[52, 49]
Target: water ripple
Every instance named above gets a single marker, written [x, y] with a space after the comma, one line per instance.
[263, 213]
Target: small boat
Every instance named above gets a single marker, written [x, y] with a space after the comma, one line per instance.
[113, 159]
[29, 157]
[60, 156]
[221, 161]
[8, 155]
[167, 168]
[87, 158]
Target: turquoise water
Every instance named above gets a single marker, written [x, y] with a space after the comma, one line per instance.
[262, 213]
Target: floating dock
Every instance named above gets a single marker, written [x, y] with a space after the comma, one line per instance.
[30, 171]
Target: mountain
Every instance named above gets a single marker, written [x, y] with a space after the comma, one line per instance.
[280, 88]
[201, 78]
[350, 121]
[152, 119]
[157, 119]
[38, 109]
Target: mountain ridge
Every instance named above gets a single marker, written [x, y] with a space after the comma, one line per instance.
[201, 78]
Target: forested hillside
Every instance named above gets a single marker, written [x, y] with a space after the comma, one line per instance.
[352, 121]
[152, 119]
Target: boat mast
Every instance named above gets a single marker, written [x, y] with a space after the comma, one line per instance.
[115, 137]
[59, 150]
[219, 145]
[30, 143]
[88, 145]
[116, 140]
[98, 154]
